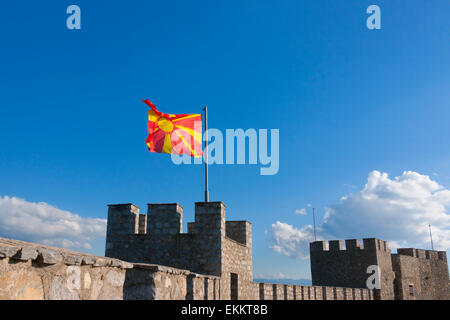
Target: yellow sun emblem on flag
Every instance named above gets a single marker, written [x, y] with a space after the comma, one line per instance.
[167, 131]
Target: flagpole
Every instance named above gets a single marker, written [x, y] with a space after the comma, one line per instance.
[431, 237]
[205, 109]
[314, 223]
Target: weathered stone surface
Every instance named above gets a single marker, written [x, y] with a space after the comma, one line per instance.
[50, 256]
[8, 251]
[115, 278]
[88, 260]
[126, 265]
[73, 259]
[101, 262]
[21, 284]
[59, 290]
[116, 263]
[26, 253]
[67, 275]
[96, 288]
[156, 267]
[87, 281]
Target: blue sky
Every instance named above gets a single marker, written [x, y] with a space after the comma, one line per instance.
[347, 101]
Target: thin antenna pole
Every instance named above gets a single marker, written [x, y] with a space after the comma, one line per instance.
[314, 223]
[205, 109]
[431, 237]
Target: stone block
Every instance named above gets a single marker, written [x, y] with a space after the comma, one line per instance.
[73, 260]
[88, 260]
[50, 256]
[26, 253]
[8, 251]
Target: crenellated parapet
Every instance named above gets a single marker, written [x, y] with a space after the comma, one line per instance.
[166, 219]
[423, 254]
[351, 245]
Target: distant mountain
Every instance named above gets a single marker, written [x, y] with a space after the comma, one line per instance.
[300, 282]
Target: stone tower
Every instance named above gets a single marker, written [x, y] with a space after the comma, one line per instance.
[334, 265]
[420, 274]
[212, 246]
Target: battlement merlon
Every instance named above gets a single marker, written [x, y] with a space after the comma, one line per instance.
[318, 246]
[216, 207]
[209, 218]
[164, 218]
[335, 245]
[352, 245]
[123, 218]
[240, 231]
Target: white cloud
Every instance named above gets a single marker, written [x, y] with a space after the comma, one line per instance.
[301, 211]
[291, 241]
[398, 210]
[45, 224]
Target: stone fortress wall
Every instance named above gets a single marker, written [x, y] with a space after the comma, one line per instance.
[410, 274]
[211, 246]
[33, 272]
[149, 257]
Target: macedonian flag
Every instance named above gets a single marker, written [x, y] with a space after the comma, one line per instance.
[174, 133]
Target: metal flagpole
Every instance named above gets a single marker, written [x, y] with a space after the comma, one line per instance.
[431, 237]
[205, 109]
[314, 223]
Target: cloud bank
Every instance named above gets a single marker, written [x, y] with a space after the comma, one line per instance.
[398, 210]
[46, 224]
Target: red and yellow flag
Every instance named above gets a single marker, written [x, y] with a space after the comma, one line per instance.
[174, 133]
